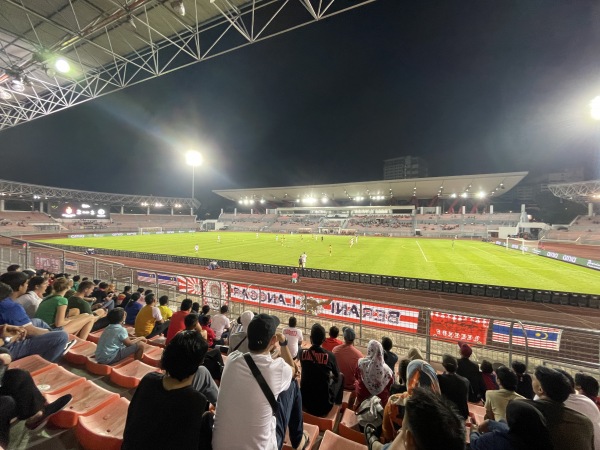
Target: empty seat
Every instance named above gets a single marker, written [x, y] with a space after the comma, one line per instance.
[130, 375]
[56, 380]
[152, 356]
[349, 427]
[79, 353]
[347, 399]
[33, 364]
[332, 441]
[157, 341]
[95, 336]
[313, 434]
[88, 398]
[103, 430]
[477, 412]
[103, 369]
[324, 423]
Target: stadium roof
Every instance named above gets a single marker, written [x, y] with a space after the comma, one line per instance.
[110, 44]
[464, 186]
[581, 192]
[11, 190]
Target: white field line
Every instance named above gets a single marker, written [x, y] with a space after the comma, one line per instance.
[422, 252]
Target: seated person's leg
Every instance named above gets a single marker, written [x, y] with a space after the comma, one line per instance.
[49, 346]
[19, 385]
[7, 413]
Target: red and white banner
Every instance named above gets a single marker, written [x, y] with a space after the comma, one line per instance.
[49, 263]
[190, 285]
[454, 327]
[215, 292]
[372, 314]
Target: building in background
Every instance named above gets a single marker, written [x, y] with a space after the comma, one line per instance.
[405, 167]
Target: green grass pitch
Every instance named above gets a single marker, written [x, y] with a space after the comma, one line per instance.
[467, 261]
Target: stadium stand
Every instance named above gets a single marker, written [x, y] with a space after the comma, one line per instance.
[26, 221]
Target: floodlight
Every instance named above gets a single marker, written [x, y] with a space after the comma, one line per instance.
[241, 202]
[463, 195]
[481, 194]
[131, 21]
[62, 65]
[193, 158]
[178, 7]
[17, 85]
[262, 201]
[4, 94]
[595, 108]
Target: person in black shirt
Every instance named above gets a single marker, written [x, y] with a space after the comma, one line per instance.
[389, 357]
[454, 387]
[322, 384]
[524, 386]
[470, 370]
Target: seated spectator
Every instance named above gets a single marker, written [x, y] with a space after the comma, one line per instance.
[373, 376]
[399, 388]
[191, 323]
[524, 386]
[488, 375]
[419, 374]
[205, 310]
[587, 385]
[53, 311]
[196, 308]
[430, 423]
[163, 306]
[104, 298]
[321, 383]
[389, 357]
[172, 393]
[221, 324]
[239, 340]
[470, 370]
[293, 336]
[149, 321]
[210, 334]
[115, 344]
[526, 429]
[332, 341]
[414, 353]
[30, 301]
[124, 297]
[133, 309]
[76, 281]
[177, 319]
[454, 387]
[20, 399]
[568, 429]
[82, 302]
[496, 400]
[347, 356]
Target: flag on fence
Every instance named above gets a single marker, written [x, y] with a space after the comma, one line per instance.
[171, 280]
[537, 337]
[190, 285]
[146, 277]
[455, 327]
[73, 266]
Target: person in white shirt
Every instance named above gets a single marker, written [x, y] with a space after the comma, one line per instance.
[30, 301]
[221, 325]
[293, 336]
[244, 418]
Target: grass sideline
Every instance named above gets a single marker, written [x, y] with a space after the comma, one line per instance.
[465, 262]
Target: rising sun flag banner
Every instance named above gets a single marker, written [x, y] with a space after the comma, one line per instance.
[537, 337]
[455, 327]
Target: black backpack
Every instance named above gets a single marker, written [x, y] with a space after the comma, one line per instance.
[213, 361]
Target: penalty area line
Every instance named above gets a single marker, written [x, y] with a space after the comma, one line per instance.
[422, 252]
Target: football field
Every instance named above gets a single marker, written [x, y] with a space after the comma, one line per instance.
[438, 259]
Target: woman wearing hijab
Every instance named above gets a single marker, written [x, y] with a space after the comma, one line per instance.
[527, 430]
[373, 376]
[419, 374]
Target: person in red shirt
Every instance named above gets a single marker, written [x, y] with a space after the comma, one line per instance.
[332, 341]
[347, 356]
[177, 320]
[210, 334]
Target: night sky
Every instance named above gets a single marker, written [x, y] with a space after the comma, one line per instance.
[472, 86]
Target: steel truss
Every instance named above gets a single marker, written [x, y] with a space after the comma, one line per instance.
[112, 48]
[581, 192]
[10, 190]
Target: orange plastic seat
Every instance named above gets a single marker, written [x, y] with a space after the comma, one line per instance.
[95, 336]
[33, 364]
[103, 430]
[130, 375]
[477, 412]
[347, 399]
[152, 356]
[332, 441]
[157, 341]
[88, 398]
[324, 423]
[55, 380]
[103, 369]
[311, 430]
[349, 427]
[78, 353]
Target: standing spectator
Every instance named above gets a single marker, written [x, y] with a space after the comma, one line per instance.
[163, 306]
[221, 324]
[321, 383]
[239, 340]
[332, 341]
[470, 370]
[115, 344]
[133, 309]
[373, 376]
[149, 321]
[454, 387]
[171, 393]
[347, 356]
[293, 336]
[177, 319]
[30, 301]
[389, 357]
[497, 400]
[524, 387]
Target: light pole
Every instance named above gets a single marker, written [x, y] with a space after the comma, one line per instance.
[194, 159]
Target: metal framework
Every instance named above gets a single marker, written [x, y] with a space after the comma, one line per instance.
[111, 44]
[10, 190]
[581, 192]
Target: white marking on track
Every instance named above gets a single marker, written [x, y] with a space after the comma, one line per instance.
[422, 252]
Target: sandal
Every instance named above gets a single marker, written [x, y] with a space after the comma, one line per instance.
[370, 436]
[306, 441]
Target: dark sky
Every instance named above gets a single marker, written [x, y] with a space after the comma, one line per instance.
[472, 86]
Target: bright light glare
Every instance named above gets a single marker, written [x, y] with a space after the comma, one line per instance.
[595, 108]
[193, 158]
[481, 194]
[62, 65]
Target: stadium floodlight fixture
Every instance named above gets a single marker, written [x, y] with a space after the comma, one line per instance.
[464, 195]
[324, 199]
[62, 65]
[178, 7]
[4, 94]
[595, 108]
[481, 194]
[262, 201]
[17, 85]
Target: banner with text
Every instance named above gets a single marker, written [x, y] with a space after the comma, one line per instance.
[454, 327]
[585, 262]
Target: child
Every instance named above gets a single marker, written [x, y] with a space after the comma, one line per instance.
[115, 344]
[165, 311]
